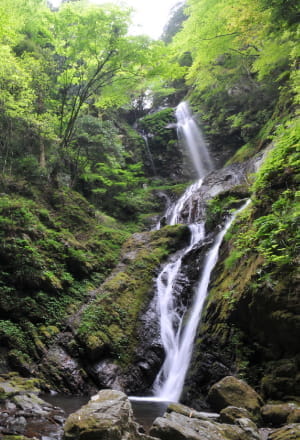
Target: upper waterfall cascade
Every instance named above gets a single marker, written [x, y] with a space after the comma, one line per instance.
[191, 135]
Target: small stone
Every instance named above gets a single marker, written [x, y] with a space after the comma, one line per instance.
[30, 403]
[277, 414]
[10, 406]
[231, 413]
[17, 425]
[287, 432]
[249, 427]
[190, 412]
[294, 416]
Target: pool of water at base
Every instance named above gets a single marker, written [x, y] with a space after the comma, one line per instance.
[66, 402]
[147, 410]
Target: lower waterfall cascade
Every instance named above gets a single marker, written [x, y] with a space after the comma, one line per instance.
[178, 338]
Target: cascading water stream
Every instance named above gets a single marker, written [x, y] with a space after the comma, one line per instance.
[178, 325]
[178, 342]
[171, 319]
[193, 139]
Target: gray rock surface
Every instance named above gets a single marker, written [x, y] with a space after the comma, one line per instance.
[23, 413]
[107, 416]
[175, 426]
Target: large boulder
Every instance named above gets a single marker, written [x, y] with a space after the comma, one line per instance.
[175, 426]
[107, 416]
[234, 392]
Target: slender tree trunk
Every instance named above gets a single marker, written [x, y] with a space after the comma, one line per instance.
[42, 154]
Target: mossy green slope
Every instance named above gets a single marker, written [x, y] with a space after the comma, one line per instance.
[108, 325]
[54, 248]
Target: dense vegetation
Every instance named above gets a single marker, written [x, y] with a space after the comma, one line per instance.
[77, 179]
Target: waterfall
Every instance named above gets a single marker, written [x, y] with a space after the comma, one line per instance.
[192, 137]
[178, 341]
[178, 324]
[171, 321]
[173, 214]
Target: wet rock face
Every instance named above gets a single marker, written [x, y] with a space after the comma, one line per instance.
[65, 371]
[163, 153]
[106, 374]
[215, 183]
[149, 353]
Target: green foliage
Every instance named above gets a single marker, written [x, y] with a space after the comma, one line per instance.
[62, 67]
[12, 334]
[233, 258]
[244, 65]
[274, 236]
[58, 248]
[283, 160]
[219, 207]
[156, 123]
[273, 231]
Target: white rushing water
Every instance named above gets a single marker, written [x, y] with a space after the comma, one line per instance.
[178, 341]
[173, 214]
[171, 321]
[190, 133]
[178, 325]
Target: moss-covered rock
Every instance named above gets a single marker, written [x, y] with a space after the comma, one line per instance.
[108, 325]
[277, 414]
[288, 432]
[251, 323]
[230, 414]
[179, 427]
[190, 412]
[234, 392]
[23, 414]
[294, 416]
[107, 416]
[166, 153]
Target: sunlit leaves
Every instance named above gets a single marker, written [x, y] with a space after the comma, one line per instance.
[228, 39]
